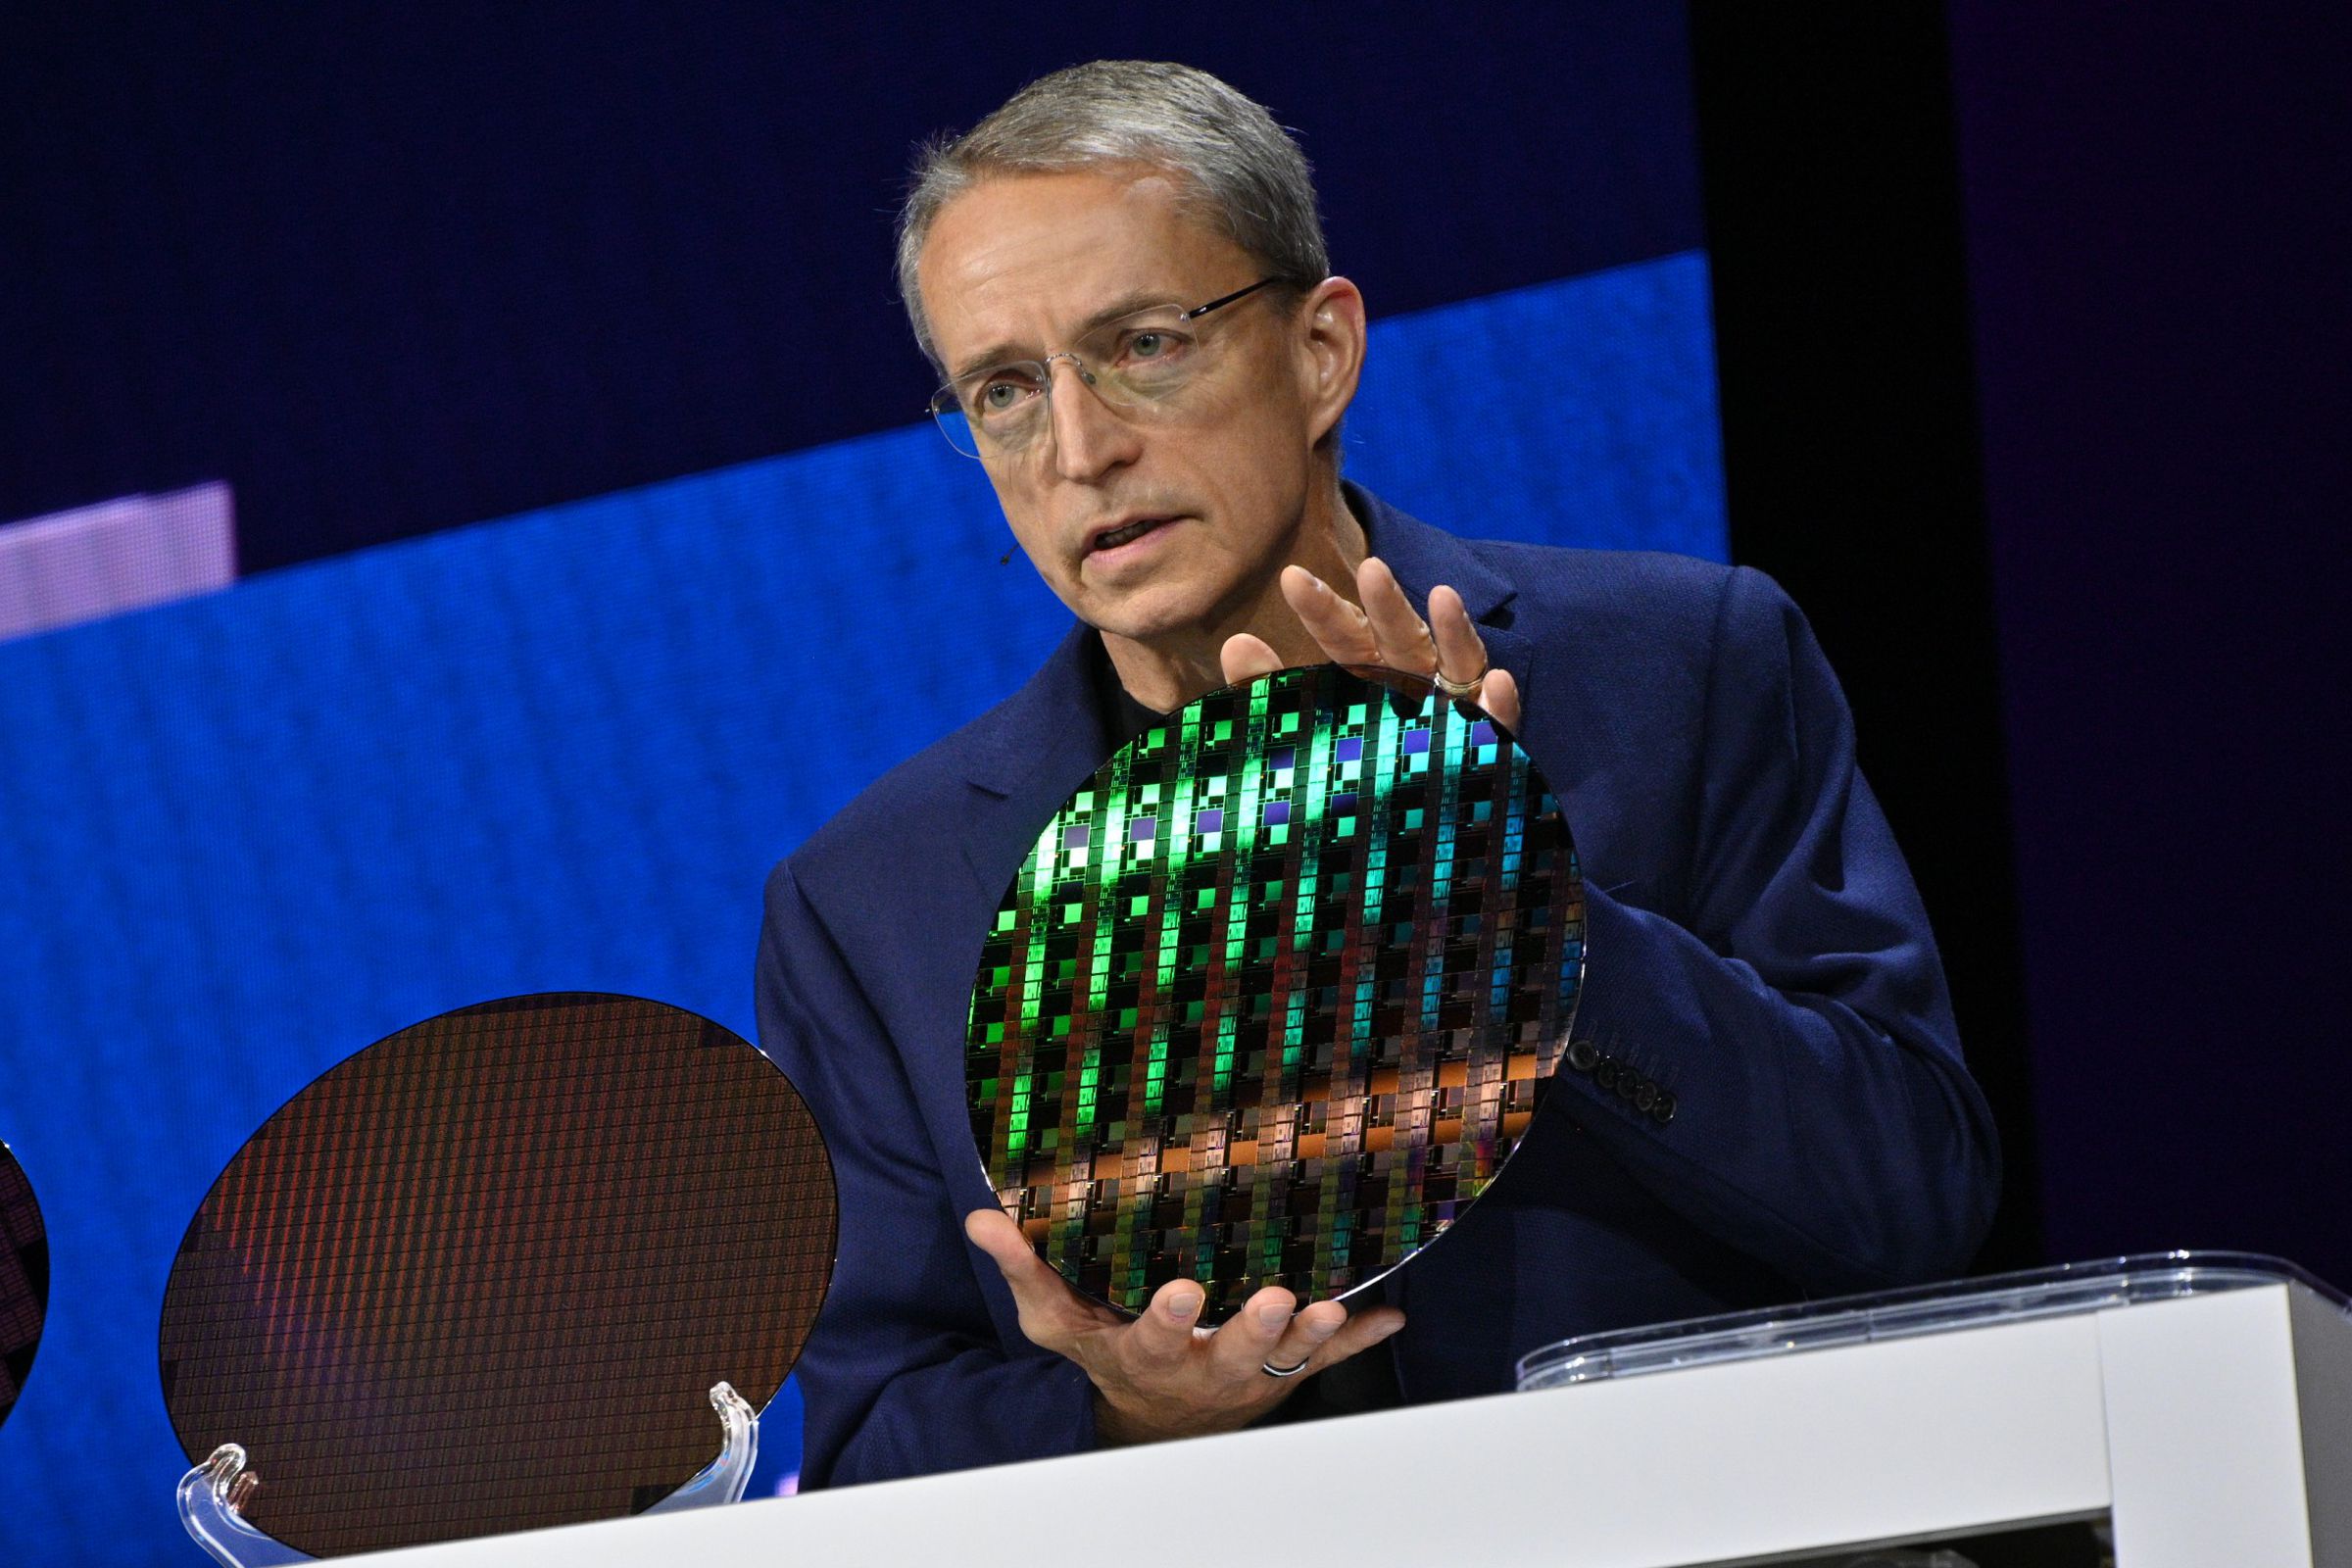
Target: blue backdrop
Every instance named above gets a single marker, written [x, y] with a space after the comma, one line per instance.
[245, 836]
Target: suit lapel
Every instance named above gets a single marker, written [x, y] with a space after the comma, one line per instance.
[1045, 740]
[1019, 764]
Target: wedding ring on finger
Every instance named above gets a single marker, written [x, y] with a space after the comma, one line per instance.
[1461, 691]
[1273, 1371]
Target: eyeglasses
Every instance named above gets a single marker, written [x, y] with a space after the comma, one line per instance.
[1144, 360]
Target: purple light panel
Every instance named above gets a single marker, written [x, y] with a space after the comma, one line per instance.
[92, 561]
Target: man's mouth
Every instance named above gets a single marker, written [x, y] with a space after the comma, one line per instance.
[1128, 533]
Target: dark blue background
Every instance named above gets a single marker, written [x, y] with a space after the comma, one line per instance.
[2033, 390]
[388, 270]
[387, 277]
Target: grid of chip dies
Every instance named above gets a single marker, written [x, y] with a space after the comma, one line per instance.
[1277, 992]
[482, 1275]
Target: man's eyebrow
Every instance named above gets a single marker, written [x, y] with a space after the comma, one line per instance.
[997, 353]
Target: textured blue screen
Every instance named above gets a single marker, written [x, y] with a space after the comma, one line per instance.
[242, 837]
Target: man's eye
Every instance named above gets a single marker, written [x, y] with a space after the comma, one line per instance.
[1001, 397]
[1152, 351]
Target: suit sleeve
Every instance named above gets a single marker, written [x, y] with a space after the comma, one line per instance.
[906, 1373]
[1807, 1101]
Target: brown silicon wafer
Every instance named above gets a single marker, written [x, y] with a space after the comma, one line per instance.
[24, 1279]
[482, 1275]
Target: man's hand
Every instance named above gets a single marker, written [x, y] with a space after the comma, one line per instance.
[1158, 1376]
[1384, 631]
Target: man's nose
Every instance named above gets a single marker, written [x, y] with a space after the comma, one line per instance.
[1089, 438]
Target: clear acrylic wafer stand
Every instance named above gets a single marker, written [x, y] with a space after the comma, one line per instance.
[212, 1495]
[2058, 1290]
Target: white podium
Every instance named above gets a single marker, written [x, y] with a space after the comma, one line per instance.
[2202, 1403]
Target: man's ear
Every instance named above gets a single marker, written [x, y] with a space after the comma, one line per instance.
[1331, 353]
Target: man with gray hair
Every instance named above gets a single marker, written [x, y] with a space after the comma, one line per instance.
[1122, 281]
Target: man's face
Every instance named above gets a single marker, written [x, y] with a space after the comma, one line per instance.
[1016, 268]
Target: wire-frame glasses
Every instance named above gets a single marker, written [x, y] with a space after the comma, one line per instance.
[1139, 361]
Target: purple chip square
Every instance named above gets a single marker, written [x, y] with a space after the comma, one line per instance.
[1212, 820]
[1277, 812]
[1074, 838]
[1142, 828]
[1416, 741]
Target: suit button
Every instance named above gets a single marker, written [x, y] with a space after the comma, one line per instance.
[1645, 1100]
[1605, 1074]
[1582, 1055]
[1630, 1084]
[1663, 1111]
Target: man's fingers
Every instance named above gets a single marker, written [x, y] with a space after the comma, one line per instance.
[1359, 1334]
[1461, 655]
[1384, 631]
[1305, 1334]
[994, 1231]
[1403, 638]
[1499, 695]
[1053, 1314]
[1245, 1342]
[1246, 657]
[1338, 626]
[1163, 1335]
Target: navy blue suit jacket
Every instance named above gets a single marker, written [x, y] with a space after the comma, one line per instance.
[1756, 950]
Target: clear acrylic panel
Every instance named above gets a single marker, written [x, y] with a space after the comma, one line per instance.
[2067, 1288]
